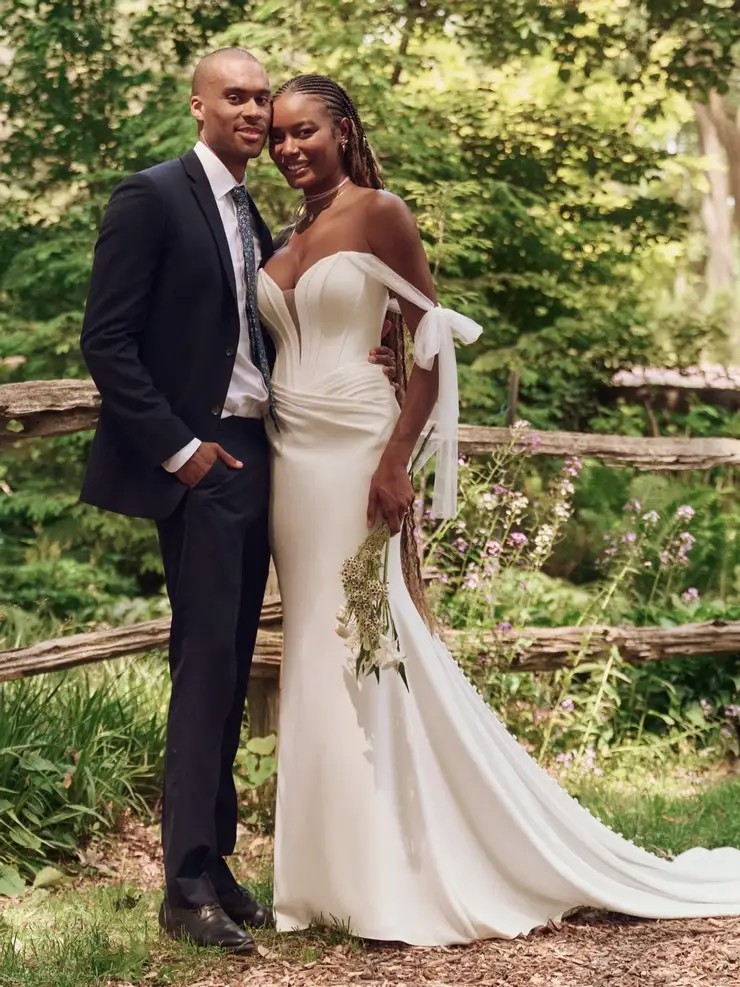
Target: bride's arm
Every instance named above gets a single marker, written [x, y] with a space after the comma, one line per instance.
[393, 237]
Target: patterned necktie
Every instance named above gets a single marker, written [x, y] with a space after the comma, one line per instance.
[257, 343]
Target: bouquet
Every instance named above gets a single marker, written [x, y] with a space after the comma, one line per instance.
[366, 622]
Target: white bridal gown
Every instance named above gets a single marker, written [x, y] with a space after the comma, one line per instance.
[411, 816]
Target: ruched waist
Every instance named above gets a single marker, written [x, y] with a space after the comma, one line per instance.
[352, 400]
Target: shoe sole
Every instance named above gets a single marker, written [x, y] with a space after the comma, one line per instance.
[178, 936]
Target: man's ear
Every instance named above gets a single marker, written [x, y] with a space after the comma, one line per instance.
[196, 108]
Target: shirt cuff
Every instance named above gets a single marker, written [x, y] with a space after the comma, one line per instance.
[173, 464]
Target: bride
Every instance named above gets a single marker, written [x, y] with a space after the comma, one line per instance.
[404, 815]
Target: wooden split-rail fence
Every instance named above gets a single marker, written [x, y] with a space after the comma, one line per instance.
[58, 407]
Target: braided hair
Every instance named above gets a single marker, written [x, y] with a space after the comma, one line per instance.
[364, 170]
[360, 161]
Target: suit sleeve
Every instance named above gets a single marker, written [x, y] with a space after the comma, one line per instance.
[125, 263]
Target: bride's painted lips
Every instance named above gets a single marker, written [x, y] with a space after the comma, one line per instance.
[295, 171]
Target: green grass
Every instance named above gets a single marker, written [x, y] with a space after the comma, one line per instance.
[75, 749]
[655, 813]
[88, 938]
[85, 939]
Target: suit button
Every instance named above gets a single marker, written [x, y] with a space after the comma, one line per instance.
[216, 409]
[230, 351]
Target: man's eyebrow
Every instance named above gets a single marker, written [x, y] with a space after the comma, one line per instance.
[242, 89]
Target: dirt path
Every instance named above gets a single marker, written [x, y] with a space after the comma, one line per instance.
[593, 952]
[593, 949]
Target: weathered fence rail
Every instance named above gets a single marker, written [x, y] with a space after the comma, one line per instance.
[540, 649]
[60, 407]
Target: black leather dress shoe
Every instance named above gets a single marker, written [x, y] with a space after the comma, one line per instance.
[208, 925]
[243, 909]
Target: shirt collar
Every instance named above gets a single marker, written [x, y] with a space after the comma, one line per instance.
[219, 177]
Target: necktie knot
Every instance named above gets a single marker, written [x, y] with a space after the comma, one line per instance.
[239, 195]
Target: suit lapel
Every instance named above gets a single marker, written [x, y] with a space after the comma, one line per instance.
[202, 191]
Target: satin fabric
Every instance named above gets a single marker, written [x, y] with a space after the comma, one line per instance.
[409, 815]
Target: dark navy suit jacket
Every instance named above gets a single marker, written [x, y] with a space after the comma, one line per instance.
[160, 333]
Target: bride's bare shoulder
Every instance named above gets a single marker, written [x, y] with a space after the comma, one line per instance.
[388, 215]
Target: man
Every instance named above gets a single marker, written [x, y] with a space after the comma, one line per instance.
[172, 340]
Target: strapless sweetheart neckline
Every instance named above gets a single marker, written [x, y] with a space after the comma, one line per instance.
[337, 253]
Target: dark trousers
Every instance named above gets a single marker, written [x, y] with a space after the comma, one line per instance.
[216, 557]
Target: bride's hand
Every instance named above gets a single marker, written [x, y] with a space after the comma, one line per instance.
[391, 493]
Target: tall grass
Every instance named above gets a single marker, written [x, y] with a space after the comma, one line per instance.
[75, 748]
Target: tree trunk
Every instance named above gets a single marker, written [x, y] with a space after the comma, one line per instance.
[715, 212]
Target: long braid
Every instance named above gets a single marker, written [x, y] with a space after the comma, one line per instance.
[364, 170]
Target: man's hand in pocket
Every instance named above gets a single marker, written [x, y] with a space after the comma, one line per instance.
[202, 461]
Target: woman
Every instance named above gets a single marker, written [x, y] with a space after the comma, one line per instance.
[405, 815]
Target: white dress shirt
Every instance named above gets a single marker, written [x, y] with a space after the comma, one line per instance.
[247, 394]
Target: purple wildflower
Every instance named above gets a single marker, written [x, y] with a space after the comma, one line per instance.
[690, 595]
[517, 539]
[472, 580]
[572, 466]
[568, 705]
[633, 506]
[685, 512]
[493, 547]
[460, 544]
[733, 712]
[503, 627]
[651, 518]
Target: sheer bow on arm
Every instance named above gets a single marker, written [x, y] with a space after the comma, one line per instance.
[435, 335]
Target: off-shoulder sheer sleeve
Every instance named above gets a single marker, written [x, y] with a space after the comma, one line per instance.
[434, 337]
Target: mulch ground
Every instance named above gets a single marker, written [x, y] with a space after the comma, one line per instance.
[590, 949]
[591, 952]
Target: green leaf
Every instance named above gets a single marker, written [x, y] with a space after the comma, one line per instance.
[11, 882]
[47, 877]
[34, 762]
[265, 770]
[262, 745]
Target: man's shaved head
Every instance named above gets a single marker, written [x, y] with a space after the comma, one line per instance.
[214, 60]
